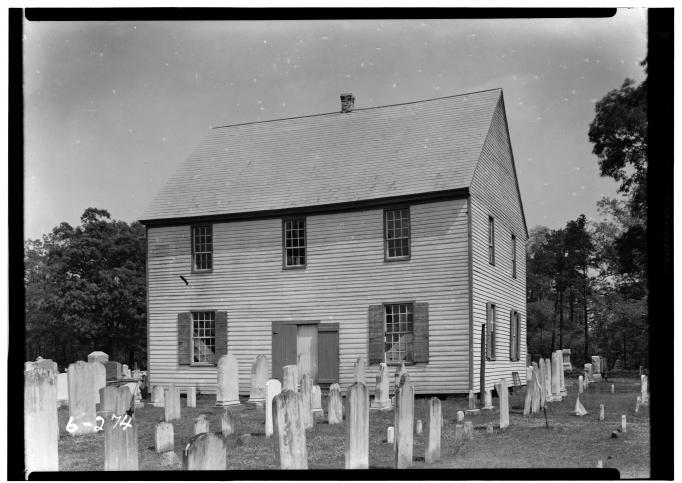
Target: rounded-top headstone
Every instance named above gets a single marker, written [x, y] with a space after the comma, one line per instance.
[98, 356]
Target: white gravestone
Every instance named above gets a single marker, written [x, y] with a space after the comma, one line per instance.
[289, 434]
[290, 378]
[157, 398]
[41, 427]
[272, 388]
[82, 403]
[164, 440]
[382, 398]
[335, 405]
[404, 422]
[228, 381]
[503, 396]
[357, 427]
[259, 376]
[316, 398]
[359, 370]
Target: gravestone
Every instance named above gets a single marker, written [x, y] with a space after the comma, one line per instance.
[527, 400]
[562, 383]
[566, 354]
[434, 420]
[164, 440]
[588, 373]
[503, 396]
[191, 397]
[390, 435]
[399, 371]
[359, 370]
[201, 424]
[125, 372]
[382, 398]
[579, 408]
[601, 412]
[548, 379]
[205, 451]
[644, 389]
[228, 381]
[542, 382]
[41, 427]
[227, 423]
[306, 387]
[623, 423]
[581, 388]
[488, 400]
[98, 356]
[536, 398]
[82, 405]
[259, 376]
[113, 370]
[418, 426]
[460, 416]
[62, 388]
[272, 388]
[172, 403]
[158, 397]
[613, 389]
[357, 427]
[468, 430]
[596, 367]
[290, 378]
[316, 398]
[637, 404]
[289, 434]
[120, 430]
[170, 460]
[404, 421]
[335, 405]
[556, 378]
[472, 400]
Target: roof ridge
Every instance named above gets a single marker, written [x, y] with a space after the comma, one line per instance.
[358, 109]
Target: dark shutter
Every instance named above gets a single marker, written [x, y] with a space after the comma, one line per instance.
[421, 332]
[184, 337]
[512, 341]
[376, 334]
[220, 335]
[489, 331]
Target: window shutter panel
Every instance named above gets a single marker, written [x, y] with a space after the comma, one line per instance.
[184, 338]
[512, 342]
[488, 331]
[421, 332]
[220, 335]
[376, 334]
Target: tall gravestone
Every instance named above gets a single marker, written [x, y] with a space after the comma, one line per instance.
[488, 400]
[272, 388]
[41, 428]
[335, 405]
[290, 378]
[556, 376]
[529, 391]
[164, 440]
[434, 420]
[172, 403]
[228, 381]
[543, 391]
[503, 396]
[289, 434]
[306, 401]
[120, 430]
[382, 398]
[82, 404]
[62, 388]
[562, 383]
[205, 451]
[404, 423]
[548, 379]
[259, 376]
[158, 397]
[359, 370]
[644, 389]
[357, 427]
[581, 389]
[316, 401]
[536, 402]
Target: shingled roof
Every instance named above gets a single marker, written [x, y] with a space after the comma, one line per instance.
[329, 159]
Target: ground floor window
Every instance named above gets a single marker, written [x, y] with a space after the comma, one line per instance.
[203, 337]
[399, 332]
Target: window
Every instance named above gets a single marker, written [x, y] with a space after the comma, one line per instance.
[203, 337]
[399, 345]
[491, 240]
[397, 234]
[514, 336]
[513, 255]
[202, 247]
[294, 242]
[490, 332]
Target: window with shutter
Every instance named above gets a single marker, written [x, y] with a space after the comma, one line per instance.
[513, 255]
[399, 332]
[491, 331]
[514, 339]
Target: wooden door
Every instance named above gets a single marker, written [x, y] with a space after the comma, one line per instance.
[306, 350]
[283, 348]
[328, 354]
[482, 375]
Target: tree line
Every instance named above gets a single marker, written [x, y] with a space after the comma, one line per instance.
[85, 287]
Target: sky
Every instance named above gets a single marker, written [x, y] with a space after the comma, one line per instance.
[113, 108]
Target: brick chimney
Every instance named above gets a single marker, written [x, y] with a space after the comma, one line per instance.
[347, 102]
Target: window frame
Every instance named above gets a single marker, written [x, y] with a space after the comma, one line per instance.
[191, 338]
[515, 325]
[284, 242]
[491, 336]
[513, 255]
[491, 240]
[194, 252]
[387, 258]
[406, 362]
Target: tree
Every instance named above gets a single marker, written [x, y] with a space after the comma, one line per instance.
[86, 290]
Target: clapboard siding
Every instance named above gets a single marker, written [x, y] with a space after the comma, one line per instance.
[346, 273]
[494, 193]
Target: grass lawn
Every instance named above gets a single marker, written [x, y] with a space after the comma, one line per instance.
[569, 442]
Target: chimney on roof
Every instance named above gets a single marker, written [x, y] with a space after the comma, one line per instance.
[347, 102]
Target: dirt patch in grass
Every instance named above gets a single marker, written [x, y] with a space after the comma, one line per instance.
[569, 442]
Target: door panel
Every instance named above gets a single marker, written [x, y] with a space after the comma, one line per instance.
[306, 349]
[328, 354]
[283, 348]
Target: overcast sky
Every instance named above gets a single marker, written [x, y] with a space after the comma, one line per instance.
[113, 108]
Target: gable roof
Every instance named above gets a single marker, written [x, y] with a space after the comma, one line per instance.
[329, 159]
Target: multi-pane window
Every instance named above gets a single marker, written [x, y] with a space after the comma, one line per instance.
[491, 240]
[294, 242]
[514, 339]
[203, 337]
[513, 255]
[202, 247]
[399, 332]
[490, 331]
[397, 233]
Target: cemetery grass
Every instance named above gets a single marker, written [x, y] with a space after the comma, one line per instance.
[569, 442]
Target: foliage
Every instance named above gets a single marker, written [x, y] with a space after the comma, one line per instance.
[86, 290]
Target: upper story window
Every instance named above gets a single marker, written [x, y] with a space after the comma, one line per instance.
[202, 247]
[490, 332]
[397, 234]
[513, 255]
[293, 231]
[399, 332]
[203, 337]
[491, 240]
